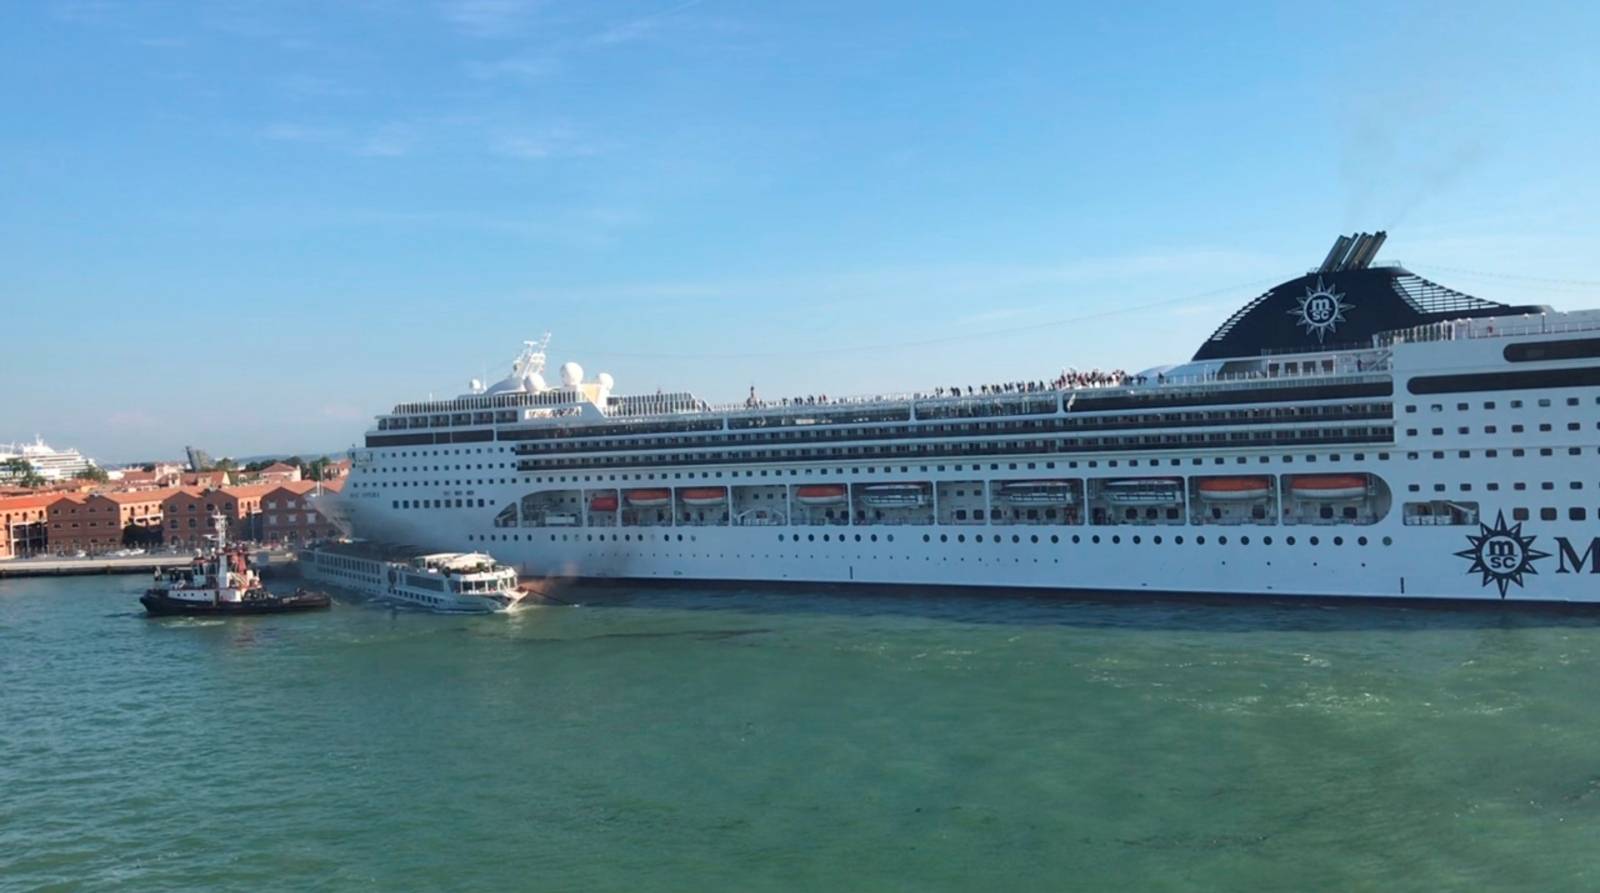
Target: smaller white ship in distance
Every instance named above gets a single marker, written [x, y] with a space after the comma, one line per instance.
[443, 582]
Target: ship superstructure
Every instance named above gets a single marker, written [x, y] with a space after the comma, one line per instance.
[47, 462]
[1356, 431]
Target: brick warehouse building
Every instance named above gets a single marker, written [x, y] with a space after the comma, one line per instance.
[96, 523]
[288, 518]
[25, 524]
[186, 514]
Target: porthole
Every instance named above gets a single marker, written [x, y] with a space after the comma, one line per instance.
[1034, 538]
[1136, 541]
[1222, 541]
[1054, 538]
[1289, 540]
[1266, 541]
[1178, 540]
[1095, 539]
[925, 537]
[1338, 541]
[1015, 538]
[1388, 541]
[961, 537]
[1075, 539]
[1361, 541]
[978, 538]
[1314, 541]
[1200, 540]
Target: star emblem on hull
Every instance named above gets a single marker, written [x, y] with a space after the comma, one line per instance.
[1501, 554]
[1321, 310]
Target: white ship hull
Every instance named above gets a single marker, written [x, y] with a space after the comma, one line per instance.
[1466, 486]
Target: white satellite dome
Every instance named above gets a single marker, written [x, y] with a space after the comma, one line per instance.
[571, 374]
[606, 381]
[533, 382]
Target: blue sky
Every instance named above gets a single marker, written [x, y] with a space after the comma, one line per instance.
[250, 226]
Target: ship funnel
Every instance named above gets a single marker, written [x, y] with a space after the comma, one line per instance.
[1358, 244]
[1369, 251]
[1335, 255]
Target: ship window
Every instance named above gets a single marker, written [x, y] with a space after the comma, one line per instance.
[1547, 514]
[1577, 513]
[1519, 514]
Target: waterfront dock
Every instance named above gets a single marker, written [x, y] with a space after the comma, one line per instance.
[68, 567]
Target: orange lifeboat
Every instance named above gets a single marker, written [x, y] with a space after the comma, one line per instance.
[649, 498]
[819, 494]
[703, 496]
[1246, 489]
[603, 502]
[1329, 486]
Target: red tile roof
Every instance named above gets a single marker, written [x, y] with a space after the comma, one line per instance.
[39, 500]
[124, 497]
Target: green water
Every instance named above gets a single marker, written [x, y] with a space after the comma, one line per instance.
[754, 740]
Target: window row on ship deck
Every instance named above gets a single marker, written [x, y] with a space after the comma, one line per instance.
[1299, 436]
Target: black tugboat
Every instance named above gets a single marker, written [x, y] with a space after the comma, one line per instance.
[222, 583]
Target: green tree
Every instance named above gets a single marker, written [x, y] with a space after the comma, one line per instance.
[21, 471]
[136, 536]
[93, 473]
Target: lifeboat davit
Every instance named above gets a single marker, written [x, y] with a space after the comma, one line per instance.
[1235, 489]
[703, 496]
[1143, 491]
[894, 495]
[1038, 492]
[604, 502]
[1329, 486]
[820, 494]
[649, 498]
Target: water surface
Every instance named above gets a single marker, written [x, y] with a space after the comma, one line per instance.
[677, 739]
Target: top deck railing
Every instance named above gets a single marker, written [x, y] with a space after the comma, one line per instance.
[1492, 327]
[1369, 366]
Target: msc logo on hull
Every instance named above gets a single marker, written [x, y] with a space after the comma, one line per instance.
[1502, 554]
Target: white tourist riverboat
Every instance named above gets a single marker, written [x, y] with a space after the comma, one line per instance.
[445, 582]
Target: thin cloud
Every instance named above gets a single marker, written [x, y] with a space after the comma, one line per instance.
[489, 18]
[516, 68]
[641, 27]
[538, 145]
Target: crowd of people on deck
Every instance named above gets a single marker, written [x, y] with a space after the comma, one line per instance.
[1067, 380]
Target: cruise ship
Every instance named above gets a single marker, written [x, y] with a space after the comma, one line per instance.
[1356, 431]
[47, 462]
